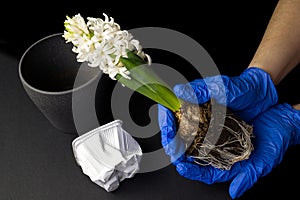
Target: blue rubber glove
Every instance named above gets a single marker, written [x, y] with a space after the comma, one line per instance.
[275, 130]
[248, 94]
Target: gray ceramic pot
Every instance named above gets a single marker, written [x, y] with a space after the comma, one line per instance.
[51, 76]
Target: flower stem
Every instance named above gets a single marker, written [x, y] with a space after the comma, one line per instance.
[147, 83]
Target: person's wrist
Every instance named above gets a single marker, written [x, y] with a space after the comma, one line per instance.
[294, 120]
[297, 106]
[261, 78]
[275, 76]
[259, 70]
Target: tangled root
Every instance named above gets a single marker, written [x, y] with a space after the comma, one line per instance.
[214, 135]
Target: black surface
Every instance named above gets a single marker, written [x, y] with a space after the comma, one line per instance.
[37, 162]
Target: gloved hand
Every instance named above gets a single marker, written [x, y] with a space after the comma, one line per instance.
[248, 94]
[274, 131]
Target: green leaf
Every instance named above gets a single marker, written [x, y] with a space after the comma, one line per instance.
[143, 89]
[134, 57]
[146, 82]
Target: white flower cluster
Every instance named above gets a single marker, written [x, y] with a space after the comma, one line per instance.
[101, 43]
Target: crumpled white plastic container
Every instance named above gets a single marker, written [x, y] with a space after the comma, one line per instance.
[108, 155]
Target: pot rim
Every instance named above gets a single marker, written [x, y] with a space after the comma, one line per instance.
[45, 91]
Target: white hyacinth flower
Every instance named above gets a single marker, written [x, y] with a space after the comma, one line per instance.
[101, 43]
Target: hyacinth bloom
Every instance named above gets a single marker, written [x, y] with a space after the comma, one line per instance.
[101, 43]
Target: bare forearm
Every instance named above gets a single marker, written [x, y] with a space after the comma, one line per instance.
[297, 106]
[279, 50]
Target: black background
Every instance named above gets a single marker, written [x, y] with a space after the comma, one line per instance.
[229, 30]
